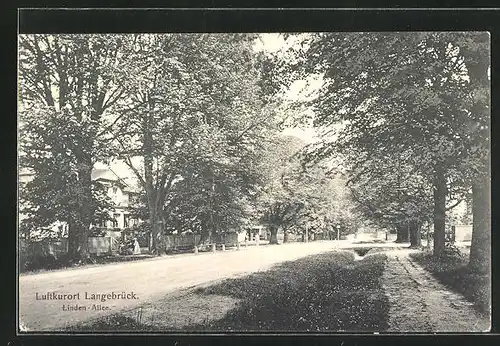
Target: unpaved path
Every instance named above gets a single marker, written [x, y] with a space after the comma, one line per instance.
[419, 303]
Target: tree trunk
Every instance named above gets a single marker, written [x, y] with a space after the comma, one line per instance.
[212, 229]
[157, 241]
[83, 248]
[480, 251]
[85, 212]
[154, 229]
[151, 196]
[204, 238]
[439, 210]
[477, 60]
[402, 234]
[285, 236]
[206, 235]
[415, 235]
[274, 235]
[73, 240]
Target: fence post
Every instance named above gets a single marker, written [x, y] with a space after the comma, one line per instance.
[223, 247]
[237, 245]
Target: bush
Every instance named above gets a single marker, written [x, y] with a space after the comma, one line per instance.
[142, 232]
[451, 252]
[39, 262]
[46, 261]
[97, 232]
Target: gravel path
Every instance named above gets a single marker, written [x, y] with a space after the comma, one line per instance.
[419, 303]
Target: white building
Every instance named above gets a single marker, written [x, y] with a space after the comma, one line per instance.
[121, 194]
[461, 222]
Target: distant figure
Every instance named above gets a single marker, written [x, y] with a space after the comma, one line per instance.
[137, 248]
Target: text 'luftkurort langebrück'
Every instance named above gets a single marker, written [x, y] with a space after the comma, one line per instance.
[86, 296]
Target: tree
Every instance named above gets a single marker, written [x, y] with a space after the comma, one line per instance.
[475, 50]
[297, 196]
[67, 85]
[390, 201]
[192, 118]
[56, 192]
[388, 93]
[281, 200]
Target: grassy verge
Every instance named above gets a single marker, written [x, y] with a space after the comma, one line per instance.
[111, 323]
[327, 292]
[454, 273]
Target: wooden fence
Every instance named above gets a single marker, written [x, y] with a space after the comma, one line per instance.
[181, 241]
[109, 245]
[230, 239]
[57, 248]
[102, 245]
[188, 241]
[43, 248]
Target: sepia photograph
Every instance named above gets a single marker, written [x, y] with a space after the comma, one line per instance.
[305, 182]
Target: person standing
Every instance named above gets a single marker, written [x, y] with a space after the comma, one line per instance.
[137, 248]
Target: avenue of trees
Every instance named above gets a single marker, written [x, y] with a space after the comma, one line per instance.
[403, 121]
[303, 200]
[194, 118]
[408, 115]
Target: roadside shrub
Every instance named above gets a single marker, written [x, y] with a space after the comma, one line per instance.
[97, 232]
[45, 261]
[40, 262]
[451, 253]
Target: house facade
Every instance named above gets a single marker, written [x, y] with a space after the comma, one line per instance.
[120, 193]
[122, 197]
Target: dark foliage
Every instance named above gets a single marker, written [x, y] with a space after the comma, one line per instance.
[50, 262]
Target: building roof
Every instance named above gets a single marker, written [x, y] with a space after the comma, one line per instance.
[107, 174]
[103, 173]
[25, 172]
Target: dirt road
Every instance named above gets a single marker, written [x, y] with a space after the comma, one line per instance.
[147, 279]
[419, 303]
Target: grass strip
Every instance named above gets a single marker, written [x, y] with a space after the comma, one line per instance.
[327, 292]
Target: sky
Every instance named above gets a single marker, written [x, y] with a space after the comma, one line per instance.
[272, 43]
